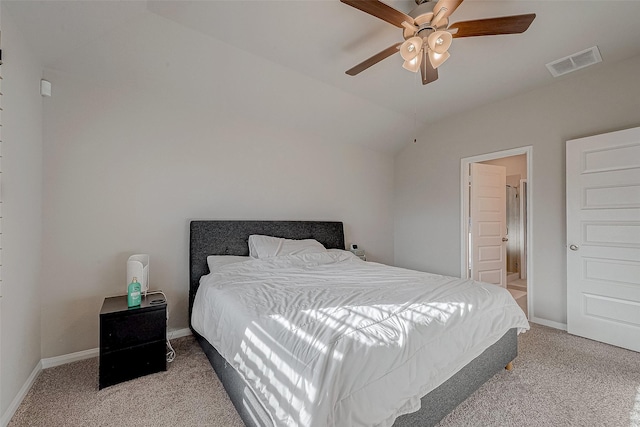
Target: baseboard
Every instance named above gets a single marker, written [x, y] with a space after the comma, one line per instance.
[51, 362]
[15, 404]
[178, 333]
[549, 323]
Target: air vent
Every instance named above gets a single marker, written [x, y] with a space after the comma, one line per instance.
[574, 62]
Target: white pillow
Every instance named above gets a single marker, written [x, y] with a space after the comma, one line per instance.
[216, 261]
[267, 246]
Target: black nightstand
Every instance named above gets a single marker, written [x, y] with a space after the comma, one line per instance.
[132, 340]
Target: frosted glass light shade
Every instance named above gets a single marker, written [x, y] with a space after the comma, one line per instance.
[410, 49]
[413, 65]
[439, 41]
[437, 59]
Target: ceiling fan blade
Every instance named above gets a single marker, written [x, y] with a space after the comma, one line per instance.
[380, 10]
[493, 26]
[450, 5]
[373, 60]
[429, 74]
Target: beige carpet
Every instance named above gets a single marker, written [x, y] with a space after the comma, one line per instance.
[558, 380]
[187, 394]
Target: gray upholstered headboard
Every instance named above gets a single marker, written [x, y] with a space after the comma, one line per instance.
[231, 238]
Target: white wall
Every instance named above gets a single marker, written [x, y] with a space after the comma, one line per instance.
[134, 147]
[427, 183]
[21, 213]
[126, 168]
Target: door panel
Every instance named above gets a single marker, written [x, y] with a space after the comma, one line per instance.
[488, 223]
[610, 233]
[490, 276]
[611, 158]
[621, 196]
[603, 238]
[625, 311]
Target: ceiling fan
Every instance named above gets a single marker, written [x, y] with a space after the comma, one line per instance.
[428, 35]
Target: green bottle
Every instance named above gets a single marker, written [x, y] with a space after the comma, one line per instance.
[134, 296]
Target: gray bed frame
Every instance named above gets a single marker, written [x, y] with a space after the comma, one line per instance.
[212, 237]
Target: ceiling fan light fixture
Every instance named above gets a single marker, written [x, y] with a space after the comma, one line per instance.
[437, 59]
[410, 49]
[439, 41]
[427, 34]
[413, 65]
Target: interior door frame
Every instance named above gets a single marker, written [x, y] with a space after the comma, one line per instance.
[464, 213]
[524, 199]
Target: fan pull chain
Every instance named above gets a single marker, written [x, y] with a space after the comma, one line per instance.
[415, 110]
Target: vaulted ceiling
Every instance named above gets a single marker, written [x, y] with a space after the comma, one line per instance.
[304, 47]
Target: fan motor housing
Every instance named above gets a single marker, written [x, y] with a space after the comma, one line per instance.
[422, 15]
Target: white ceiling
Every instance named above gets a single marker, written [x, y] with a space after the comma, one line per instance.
[316, 41]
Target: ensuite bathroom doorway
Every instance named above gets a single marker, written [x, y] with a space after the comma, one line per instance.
[516, 228]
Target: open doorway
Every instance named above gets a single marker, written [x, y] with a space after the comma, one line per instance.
[517, 225]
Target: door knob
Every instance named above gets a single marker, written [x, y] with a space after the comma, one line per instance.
[504, 239]
[573, 247]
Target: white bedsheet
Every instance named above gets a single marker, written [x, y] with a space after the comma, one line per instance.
[326, 339]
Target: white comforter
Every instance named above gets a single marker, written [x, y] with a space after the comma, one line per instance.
[326, 339]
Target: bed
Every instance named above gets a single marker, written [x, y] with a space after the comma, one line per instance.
[245, 391]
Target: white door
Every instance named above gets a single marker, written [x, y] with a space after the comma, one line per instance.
[603, 238]
[488, 223]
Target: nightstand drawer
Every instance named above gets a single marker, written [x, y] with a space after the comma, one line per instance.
[135, 328]
[134, 362]
[132, 340]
